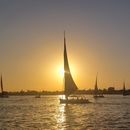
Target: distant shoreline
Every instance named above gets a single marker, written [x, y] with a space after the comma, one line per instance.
[87, 92]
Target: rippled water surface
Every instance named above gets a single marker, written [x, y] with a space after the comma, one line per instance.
[27, 112]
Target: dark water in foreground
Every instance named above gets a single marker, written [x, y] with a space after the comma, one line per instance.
[27, 112]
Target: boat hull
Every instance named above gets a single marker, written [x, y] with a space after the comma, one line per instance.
[126, 94]
[4, 96]
[74, 101]
[37, 96]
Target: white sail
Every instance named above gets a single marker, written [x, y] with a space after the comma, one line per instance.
[69, 83]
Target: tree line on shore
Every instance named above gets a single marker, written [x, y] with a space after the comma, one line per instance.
[110, 90]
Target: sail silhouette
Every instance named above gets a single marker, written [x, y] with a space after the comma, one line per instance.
[97, 94]
[124, 87]
[3, 94]
[125, 92]
[1, 85]
[69, 84]
[96, 87]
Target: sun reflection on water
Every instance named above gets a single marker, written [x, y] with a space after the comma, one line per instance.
[61, 117]
[61, 96]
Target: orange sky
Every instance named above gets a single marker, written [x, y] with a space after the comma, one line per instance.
[31, 43]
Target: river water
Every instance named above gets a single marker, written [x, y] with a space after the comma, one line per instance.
[28, 112]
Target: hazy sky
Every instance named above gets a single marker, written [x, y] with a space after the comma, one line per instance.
[31, 43]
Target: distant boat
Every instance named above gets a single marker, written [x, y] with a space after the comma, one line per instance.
[69, 84]
[97, 94]
[125, 92]
[38, 96]
[3, 94]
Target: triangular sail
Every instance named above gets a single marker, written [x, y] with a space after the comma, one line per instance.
[69, 83]
[96, 87]
[124, 89]
[124, 86]
[1, 85]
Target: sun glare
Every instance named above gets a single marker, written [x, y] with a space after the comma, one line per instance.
[61, 72]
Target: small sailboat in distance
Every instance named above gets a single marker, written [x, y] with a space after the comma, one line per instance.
[125, 92]
[69, 84]
[3, 94]
[38, 96]
[96, 91]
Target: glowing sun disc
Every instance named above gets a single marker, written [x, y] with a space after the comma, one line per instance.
[62, 72]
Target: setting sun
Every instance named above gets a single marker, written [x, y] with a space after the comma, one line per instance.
[61, 72]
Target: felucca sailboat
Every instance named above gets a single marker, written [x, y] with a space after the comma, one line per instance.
[69, 84]
[96, 91]
[125, 92]
[3, 94]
